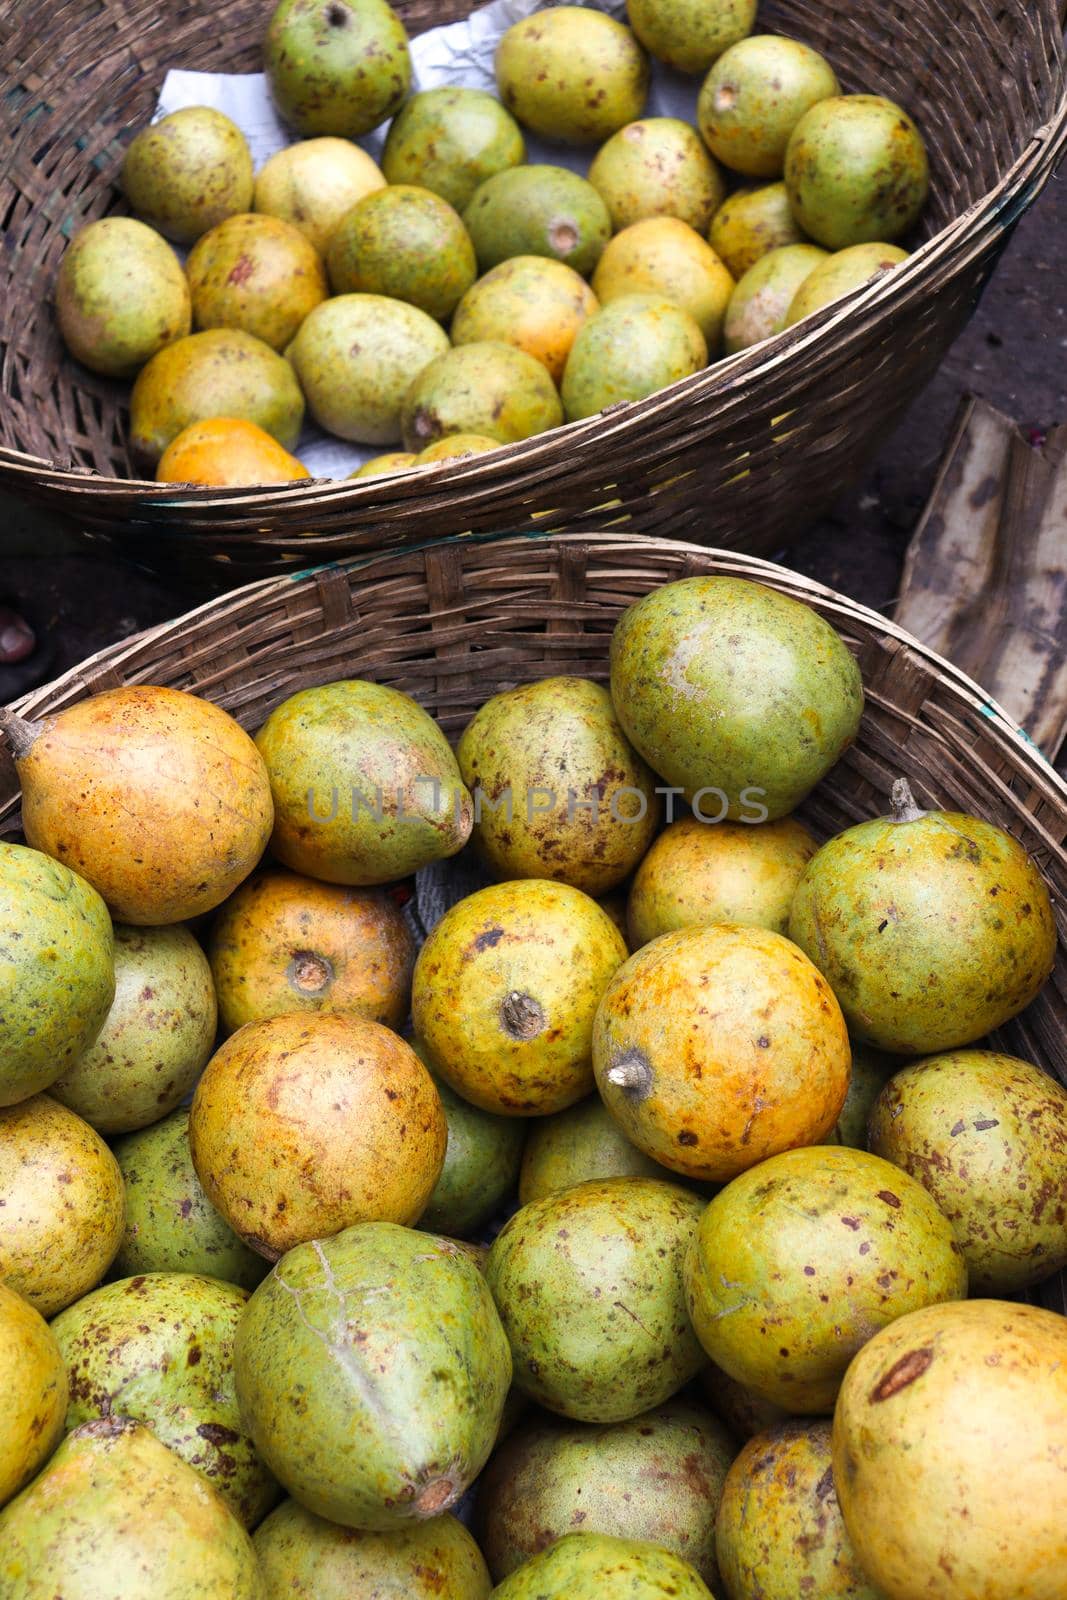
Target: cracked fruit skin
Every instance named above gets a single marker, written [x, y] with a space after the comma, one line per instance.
[840, 274]
[375, 759]
[256, 273]
[304, 1557]
[754, 220]
[121, 295]
[33, 1380]
[664, 256]
[339, 1124]
[657, 1478]
[697, 874]
[451, 140]
[931, 932]
[158, 1035]
[753, 98]
[171, 1226]
[559, 738]
[588, 1283]
[491, 389]
[158, 798]
[64, 1204]
[505, 991]
[576, 1146]
[761, 303]
[57, 970]
[337, 67]
[220, 372]
[797, 1263]
[722, 682]
[117, 1513]
[658, 167]
[372, 1371]
[183, 174]
[407, 244]
[779, 1532]
[593, 1566]
[159, 1349]
[226, 452]
[314, 183]
[573, 75]
[531, 302]
[284, 943]
[986, 1135]
[636, 346]
[481, 1167]
[948, 1454]
[690, 34]
[717, 1047]
[538, 211]
[857, 171]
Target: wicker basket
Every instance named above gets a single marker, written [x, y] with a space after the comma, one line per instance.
[704, 459]
[454, 623]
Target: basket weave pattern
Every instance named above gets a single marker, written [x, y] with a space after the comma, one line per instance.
[452, 624]
[710, 459]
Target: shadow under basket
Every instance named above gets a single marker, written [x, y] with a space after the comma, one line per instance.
[454, 623]
[743, 455]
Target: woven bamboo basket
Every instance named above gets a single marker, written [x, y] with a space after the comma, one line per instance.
[707, 459]
[453, 623]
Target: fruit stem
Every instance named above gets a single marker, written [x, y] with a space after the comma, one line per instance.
[903, 802]
[20, 734]
[633, 1075]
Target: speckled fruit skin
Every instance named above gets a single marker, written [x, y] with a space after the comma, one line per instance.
[573, 75]
[577, 1146]
[171, 1226]
[753, 98]
[717, 1047]
[658, 167]
[658, 1479]
[159, 1349]
[353, 739]
[373, 1370]
[313, 183]
[531, 302]
[256, 273]
[221, 372]
[159, 1033]
[560, 741]
[753, 221]
[227, 452]
[405, 243]
[33, 1379]
[744, 1412]
[797, 1263]
[690, 34]
[450, 140]
[722, 682]
[304, 1557]
[779, 1532]
[538, 211]
[588, 1283]
[857, 171]
[697, 874]
[57, 970]
[117, 1513]
[456, 447]
[843, 272]
[284, 943]
[490, 388]
[336, 66]
[339, 1123]
[121, 295]
[948, 1454]
[592, 1566]
[986, 1135]
[188, 171]
[155, 796]
[481, 1167]
[931, 932]
[871, 1070]
[359, 397]
[635, 347]
[63, 1204]
[760, 305]
[664, 256]
[505, 991]
[387, 465]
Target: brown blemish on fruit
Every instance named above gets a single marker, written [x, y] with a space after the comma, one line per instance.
[904, 1372]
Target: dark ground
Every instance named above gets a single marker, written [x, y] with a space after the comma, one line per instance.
[1014, 355]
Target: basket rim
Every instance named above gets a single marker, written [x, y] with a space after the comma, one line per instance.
[1028, 758]
[951, 249]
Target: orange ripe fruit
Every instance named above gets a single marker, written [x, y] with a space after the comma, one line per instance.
[227, 453]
